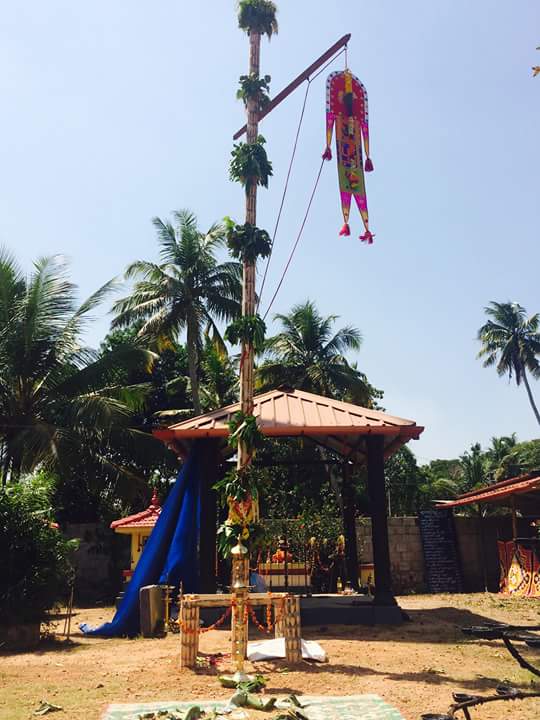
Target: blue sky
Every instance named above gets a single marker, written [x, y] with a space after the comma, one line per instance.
[113, 112]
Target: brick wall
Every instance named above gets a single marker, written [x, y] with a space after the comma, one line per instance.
[98, 562]
[479, 561]
[406, 559]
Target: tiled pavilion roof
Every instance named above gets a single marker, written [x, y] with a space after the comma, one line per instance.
[288, 412]
[522, 491]
[144, 519]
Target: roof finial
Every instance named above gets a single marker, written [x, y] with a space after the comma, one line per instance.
[155, 499]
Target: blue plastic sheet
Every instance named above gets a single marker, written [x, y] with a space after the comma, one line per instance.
[169, 555]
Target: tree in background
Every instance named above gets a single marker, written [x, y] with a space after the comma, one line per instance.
[308, 355]
[511, 342]
[35, 568]
[168, 378]
[189, 290]
[219, 382]
[60, 404]
[404, 482]
[499, 449]
[523, 458]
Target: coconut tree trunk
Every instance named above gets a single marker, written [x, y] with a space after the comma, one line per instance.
[248, 286]
[529, 393]
[193, 362]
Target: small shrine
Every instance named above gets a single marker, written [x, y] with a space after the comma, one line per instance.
[139, 527]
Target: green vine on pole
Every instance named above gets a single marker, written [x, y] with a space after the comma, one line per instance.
[252, 535]
[254, 88]
[238, 484]
[247, 242]
[250, 164]
[258, 16]
[244, 429]
[248, 329]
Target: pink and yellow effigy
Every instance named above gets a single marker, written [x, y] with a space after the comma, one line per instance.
[347, 110]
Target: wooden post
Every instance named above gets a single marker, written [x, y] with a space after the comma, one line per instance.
[239, 629]
[483, 559]
[249, 269]
[514, 520]
[240, 592]
[349, 527]
[279, 618]
[189, 635]
[379, 521]
[209, 457]
[293, 649]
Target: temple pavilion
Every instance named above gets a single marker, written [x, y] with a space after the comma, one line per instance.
[362, 436]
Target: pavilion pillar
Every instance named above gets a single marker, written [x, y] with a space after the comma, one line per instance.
[379, 520]
[209, 464]
[349, 526]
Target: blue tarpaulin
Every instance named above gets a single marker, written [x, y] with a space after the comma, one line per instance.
[169, 555]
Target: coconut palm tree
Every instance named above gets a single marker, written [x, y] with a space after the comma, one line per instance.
[310, 356]
[219, 385]
[511, 342]
[59, 404]
[189, 290]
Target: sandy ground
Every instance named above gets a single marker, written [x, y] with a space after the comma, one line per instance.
[415, 666]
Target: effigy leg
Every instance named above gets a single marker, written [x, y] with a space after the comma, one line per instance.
[346, 210]
[361, 201]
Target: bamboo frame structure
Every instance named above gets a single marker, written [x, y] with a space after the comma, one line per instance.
[286, 611]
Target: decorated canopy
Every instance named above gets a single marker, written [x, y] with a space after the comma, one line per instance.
[340, 426]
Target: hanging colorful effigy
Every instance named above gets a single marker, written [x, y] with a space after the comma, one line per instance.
[347, 108]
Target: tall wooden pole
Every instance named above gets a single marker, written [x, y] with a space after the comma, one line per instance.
[249, 270]
[240, 553]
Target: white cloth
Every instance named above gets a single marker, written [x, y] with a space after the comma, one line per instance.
[267, 649]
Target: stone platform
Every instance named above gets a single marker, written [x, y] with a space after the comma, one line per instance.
[322, 610]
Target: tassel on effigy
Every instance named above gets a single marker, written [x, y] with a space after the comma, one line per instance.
[345, 230]
[327, 154]
[369, 165]
[367, 237]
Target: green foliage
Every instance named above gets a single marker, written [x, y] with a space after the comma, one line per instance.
[250, 165]
[247, 242]
[511, 342]
[219, 382]
[190, 290]
[248, 329]
[504, 458]
[227, 536]
[522, 458]
[35, 570]
[239, 484]
[60, 402]
[293, 480]
[404, 483]
[254, 88]
[244, 429]
[308, 355]
[257, 16]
